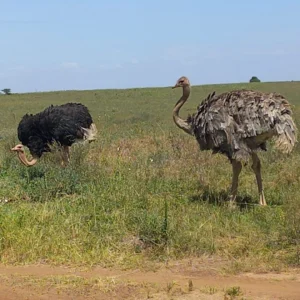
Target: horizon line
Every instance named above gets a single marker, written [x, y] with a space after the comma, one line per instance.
[147, 87]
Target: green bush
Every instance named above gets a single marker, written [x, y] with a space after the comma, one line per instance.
[254, 79]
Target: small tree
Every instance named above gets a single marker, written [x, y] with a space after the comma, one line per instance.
[254, 79]
[6, 91]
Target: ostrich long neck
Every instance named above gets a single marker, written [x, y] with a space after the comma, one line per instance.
[25, 161]
[179, 121]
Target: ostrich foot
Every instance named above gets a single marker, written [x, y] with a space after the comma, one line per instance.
[262, 200]
[232, 203]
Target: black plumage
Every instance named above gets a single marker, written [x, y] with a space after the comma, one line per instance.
[64, 124]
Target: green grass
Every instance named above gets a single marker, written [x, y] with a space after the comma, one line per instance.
[143, 192]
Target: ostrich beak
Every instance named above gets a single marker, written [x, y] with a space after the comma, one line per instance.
[175, 86]
[16, 148]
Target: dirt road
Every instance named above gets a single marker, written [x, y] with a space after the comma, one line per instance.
[179, 282]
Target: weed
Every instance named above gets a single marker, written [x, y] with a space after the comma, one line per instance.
[233, 292]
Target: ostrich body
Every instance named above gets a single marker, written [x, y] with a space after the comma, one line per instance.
[64, 124]
[238, 124]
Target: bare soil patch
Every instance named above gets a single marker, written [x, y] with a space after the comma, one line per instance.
[179, 281]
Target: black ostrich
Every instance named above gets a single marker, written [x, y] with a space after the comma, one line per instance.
[64, 124]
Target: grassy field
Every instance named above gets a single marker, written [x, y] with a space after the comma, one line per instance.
[143, 192]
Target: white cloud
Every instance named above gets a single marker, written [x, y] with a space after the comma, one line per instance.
[190, 55]
[180, 52]
[16, 68]
[275, 52]
[70, 65]
[134, 61]
[111, 66]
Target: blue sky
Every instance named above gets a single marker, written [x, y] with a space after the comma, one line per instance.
[96, 44]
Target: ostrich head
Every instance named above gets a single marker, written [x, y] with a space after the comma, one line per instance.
[182, 82]
[22, 156]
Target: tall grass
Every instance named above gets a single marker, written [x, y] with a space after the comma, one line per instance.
[143, 191]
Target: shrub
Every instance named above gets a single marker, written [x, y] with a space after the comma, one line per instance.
[6, 91]
[254, 79]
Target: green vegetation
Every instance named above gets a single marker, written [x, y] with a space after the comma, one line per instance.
[6, 91]
[143, 192]
[254, 79]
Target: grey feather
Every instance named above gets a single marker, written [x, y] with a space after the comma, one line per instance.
[239, 122]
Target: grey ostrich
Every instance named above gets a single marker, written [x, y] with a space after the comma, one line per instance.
[238, 124]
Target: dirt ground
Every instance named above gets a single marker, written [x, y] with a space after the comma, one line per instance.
[180, 281]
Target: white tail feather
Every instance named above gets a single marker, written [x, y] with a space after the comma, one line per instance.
[90, 134]
[286, 135]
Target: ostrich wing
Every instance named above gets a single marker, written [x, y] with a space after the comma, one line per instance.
[241, 120]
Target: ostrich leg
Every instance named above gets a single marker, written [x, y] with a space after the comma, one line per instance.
[236, 170]
[256, 167]
[65, 155]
